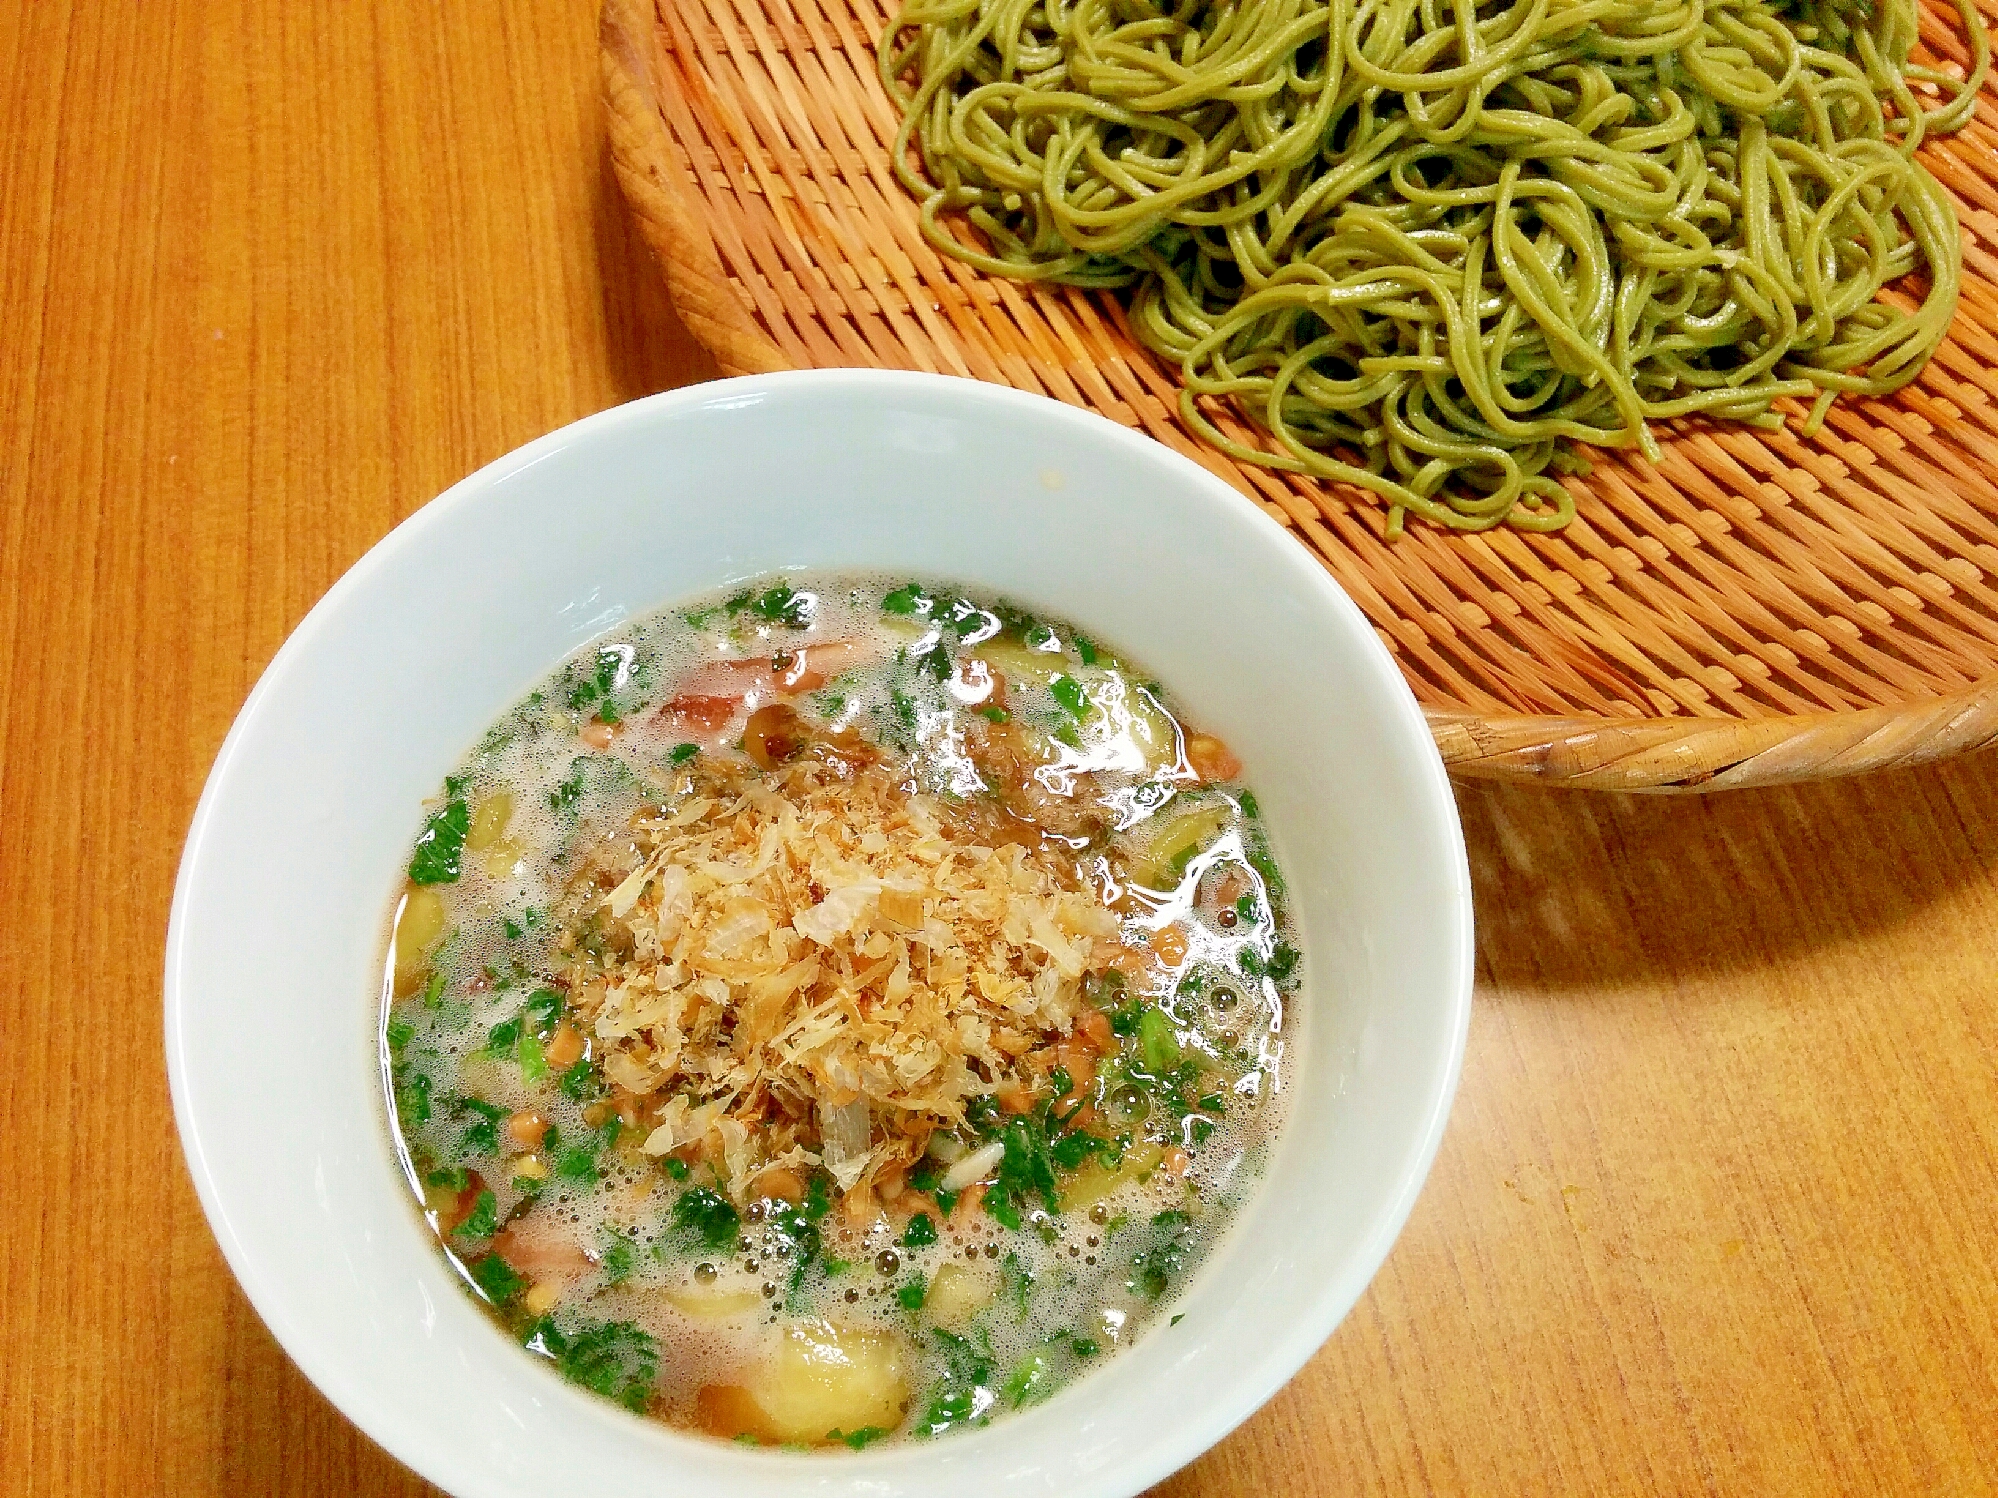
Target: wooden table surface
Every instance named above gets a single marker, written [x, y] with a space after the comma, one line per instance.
[1718, 1206]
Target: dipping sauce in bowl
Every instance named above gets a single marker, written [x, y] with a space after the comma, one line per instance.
[837, 1011]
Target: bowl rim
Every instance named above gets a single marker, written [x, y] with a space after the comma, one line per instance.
[1177, 1444]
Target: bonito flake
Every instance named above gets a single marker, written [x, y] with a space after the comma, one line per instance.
[820, 965]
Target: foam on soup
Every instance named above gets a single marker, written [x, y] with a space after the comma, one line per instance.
[837, 1011]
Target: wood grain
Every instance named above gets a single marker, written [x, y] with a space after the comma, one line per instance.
[1718, 1207]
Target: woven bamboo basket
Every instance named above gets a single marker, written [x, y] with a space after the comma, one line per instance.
[1755, 609]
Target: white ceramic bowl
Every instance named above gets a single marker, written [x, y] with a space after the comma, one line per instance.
[273, 955]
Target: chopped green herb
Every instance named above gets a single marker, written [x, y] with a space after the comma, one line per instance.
[707, 1217]
[1025, 1170]
[928, 1179]
[433, 991]
[496, 1278]
[613, 665]
[1086, 649]
[1213, 1103]
[533, 1063]
[1016, 1283]
[579, 1083]
[620, 678]
[963, 617]
[1263, 864]
[995, 714]
[399, 1034]
[935, 661]
[859, 1438]
[676, 1167]
[1071, 1149]
[920, 1233]
[983, 1114]
[796, 1229]
[1171, 1219]
[682, 753]
[1070, 694]
[1084, 1347]
[963, 1394]
[613, 1358]
[481, 1136]
[1177, 1319]
[450, 1177]
[780, 605]
[618, 1259]
[412, 1099]
[1101, 989]
[1153, 1268]
[577, 1163]
[1282, 963]
[441, 845]
[544, 1009]
[483, 1220]
[1158, 1042]
[514, 930]
[910, 1296]
[1028, 1381]
[569, 791]
[907, 600]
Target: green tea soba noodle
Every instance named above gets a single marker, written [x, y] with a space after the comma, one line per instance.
[1430, 245]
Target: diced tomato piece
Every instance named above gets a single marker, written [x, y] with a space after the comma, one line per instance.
[542, 1247]
[1211, 759]
[729, 1411]
[698, 710]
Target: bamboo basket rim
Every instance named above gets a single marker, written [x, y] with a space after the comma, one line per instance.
[1681, 752]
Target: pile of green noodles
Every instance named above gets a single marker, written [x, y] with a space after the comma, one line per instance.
[1430, 244]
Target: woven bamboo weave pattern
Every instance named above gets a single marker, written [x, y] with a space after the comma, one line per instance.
[1756, 608]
